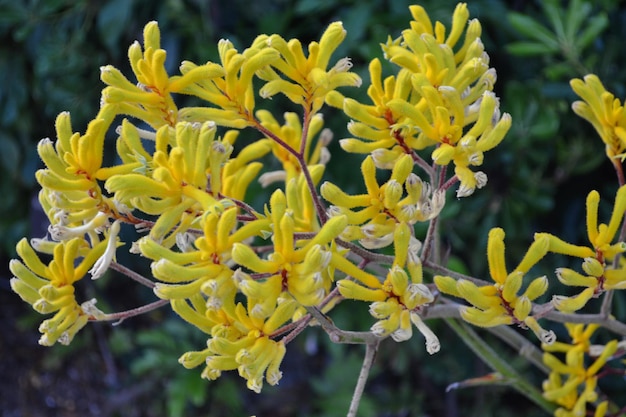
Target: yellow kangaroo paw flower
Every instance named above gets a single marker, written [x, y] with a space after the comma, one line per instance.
[615, 279]
[570, 277]
[559, 246]
[25, 291]
[25, 275]
[593, 267]
[187, 313]
[470, 292]
[355, 291]
[536, 288]
[512, 285]
[522, 308]
[447, 285]
[347, 267]
[572, 304]
[485, 318]
[495, 255]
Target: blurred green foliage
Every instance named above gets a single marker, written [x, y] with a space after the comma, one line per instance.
[50, 54]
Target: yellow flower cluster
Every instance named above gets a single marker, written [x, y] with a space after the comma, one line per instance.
[442, 88]
[600, 273]
[501, 303]
[386, 206]
[605, 112]
[50, 288]
[397, 300]
[572, 384]
[245, 276]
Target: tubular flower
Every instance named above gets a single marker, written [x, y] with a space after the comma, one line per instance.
[242, 341]
[232, 92]
[291, 134]
[376, 128]
[307, 80]
[501, 303]
[600, 275]
[151, 99]
[300, 201]
[184, 177]
[71, 192]
[605, 112]
[384, 206]
[572, 384]
[397, 300]
[435, 98]
[205, 266]
[296, 266]
[50, 288]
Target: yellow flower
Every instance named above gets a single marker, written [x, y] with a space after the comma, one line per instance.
[600, 273]
[307, 80]
[501, 303]
[205, 266]
[243, 342]
[572, 384]
[605, 112]
[151, 99]
[232, 92]
[396, 301]
[50, 288]
[291, 133]
[71, 193]
[297, 267]
[183, 181]
[384, 206]
[439, 97]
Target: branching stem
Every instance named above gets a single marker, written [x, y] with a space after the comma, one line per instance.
[132, 274]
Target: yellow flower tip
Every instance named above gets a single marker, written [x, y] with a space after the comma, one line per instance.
[572, 304]
[444, 154]
[536, 288]
[330, 40]
[355, 291]
[446, 285]
[547, 337]
[193, 359]
[593, 267]
[383, 309]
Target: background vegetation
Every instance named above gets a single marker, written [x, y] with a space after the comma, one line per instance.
[50, 54]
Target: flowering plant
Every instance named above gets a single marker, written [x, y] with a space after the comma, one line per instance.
[254, 278]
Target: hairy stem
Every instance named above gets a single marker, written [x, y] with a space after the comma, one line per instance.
[132, 274]
[123, 315]
[370, 354]
[337, 335]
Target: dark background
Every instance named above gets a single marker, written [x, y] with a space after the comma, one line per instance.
[50, 54]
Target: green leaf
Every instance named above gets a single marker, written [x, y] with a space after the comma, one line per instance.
[532, 29]
[577, 13]
[595, 26]
[554, 14]
[530, 49]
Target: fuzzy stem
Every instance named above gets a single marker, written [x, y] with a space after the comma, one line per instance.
[337, 335]
[123, 315]
[132, 274]
[370, 354]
